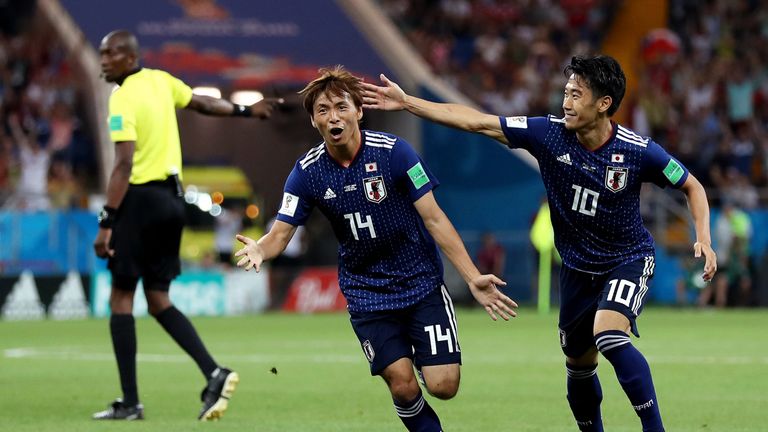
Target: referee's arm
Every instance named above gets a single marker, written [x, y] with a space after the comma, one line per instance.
[116, 189]
[221, 107]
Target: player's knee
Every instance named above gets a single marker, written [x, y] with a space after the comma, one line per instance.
[404, 389]
[444, 388]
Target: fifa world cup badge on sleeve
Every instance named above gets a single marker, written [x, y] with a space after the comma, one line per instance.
[290, 203]
[519, 122]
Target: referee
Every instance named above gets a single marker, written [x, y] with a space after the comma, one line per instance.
[141, 223]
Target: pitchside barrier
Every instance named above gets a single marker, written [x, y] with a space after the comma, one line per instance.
[74, 295]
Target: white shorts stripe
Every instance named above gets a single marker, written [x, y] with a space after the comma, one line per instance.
[451, 316]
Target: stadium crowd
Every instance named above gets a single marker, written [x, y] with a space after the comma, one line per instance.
[45, 156]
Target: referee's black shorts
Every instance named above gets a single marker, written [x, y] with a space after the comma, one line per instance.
[146, 234]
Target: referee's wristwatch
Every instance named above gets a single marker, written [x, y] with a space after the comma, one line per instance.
[107, 217]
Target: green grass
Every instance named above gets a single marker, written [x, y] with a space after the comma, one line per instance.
[710, 369]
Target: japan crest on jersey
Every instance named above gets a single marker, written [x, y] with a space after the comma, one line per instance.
[616, 178]
[374, 189]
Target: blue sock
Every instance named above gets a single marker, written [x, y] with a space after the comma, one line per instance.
[634, 376]
[418, 416]
[584, 397]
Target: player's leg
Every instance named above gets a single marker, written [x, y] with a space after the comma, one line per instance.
[437, 353]
[577, 311]
[383, 336]
[620, 304]
[410, 405]
[122, 329]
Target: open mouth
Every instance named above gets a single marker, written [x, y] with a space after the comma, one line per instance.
[336, 132]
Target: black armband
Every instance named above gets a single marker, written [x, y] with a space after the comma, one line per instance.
[241, 110]
[107, 217]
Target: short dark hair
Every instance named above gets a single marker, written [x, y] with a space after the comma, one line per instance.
[336, 81]
[603, 75]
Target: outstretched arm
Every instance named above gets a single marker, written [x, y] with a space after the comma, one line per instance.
[483, 287]
[222, 107]
[697, 204]
[269, 245]
[390, 97]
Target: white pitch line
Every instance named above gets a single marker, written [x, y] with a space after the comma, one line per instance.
[77, 354]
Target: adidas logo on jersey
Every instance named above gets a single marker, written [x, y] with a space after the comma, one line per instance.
[329, 194]
[566, 158]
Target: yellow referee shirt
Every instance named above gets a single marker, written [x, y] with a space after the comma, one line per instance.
[143, 109]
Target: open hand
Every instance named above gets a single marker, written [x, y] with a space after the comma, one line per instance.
[389, 97]
[484, 289]
[251, 254]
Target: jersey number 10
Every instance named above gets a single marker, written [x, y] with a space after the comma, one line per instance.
[585, 200]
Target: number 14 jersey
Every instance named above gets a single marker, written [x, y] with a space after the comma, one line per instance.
[387, 258]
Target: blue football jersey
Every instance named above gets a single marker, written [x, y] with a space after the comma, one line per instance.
[594, 195]
[387, 258]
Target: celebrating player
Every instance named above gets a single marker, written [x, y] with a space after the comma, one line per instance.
[592, 170]
[377, 193]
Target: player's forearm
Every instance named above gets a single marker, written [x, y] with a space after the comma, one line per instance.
[699, 208]
[450, 244]
[453, 115]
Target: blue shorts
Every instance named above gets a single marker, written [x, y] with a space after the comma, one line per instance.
[623, 290]
[424, 332]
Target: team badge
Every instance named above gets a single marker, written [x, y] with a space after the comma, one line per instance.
[368, 350]
[374, 189]
[563, 339]
[616, 178]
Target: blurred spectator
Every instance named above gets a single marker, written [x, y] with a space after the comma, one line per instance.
[226, 226]
[63, 188]
[491, 257]
[733, 230]
[32, 189]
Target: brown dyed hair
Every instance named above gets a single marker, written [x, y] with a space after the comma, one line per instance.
[337, 82]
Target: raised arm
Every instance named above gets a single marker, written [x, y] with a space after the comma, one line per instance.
[269, 245]
[699, 207]
[390, 97]
[483, 287]
[221, 107]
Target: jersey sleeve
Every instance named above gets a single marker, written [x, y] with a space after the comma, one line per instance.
[180, 92]
[661, 168]
[524, 132]
[410, 170]
[122, 117]
[296, 205]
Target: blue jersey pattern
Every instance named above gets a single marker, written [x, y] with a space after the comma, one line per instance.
[387, 258]
[595, 195]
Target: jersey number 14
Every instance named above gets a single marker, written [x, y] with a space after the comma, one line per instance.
[356, 222]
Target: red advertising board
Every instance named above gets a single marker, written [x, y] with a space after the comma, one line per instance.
[316, 289]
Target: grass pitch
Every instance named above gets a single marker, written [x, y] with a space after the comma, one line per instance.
[710, 370]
